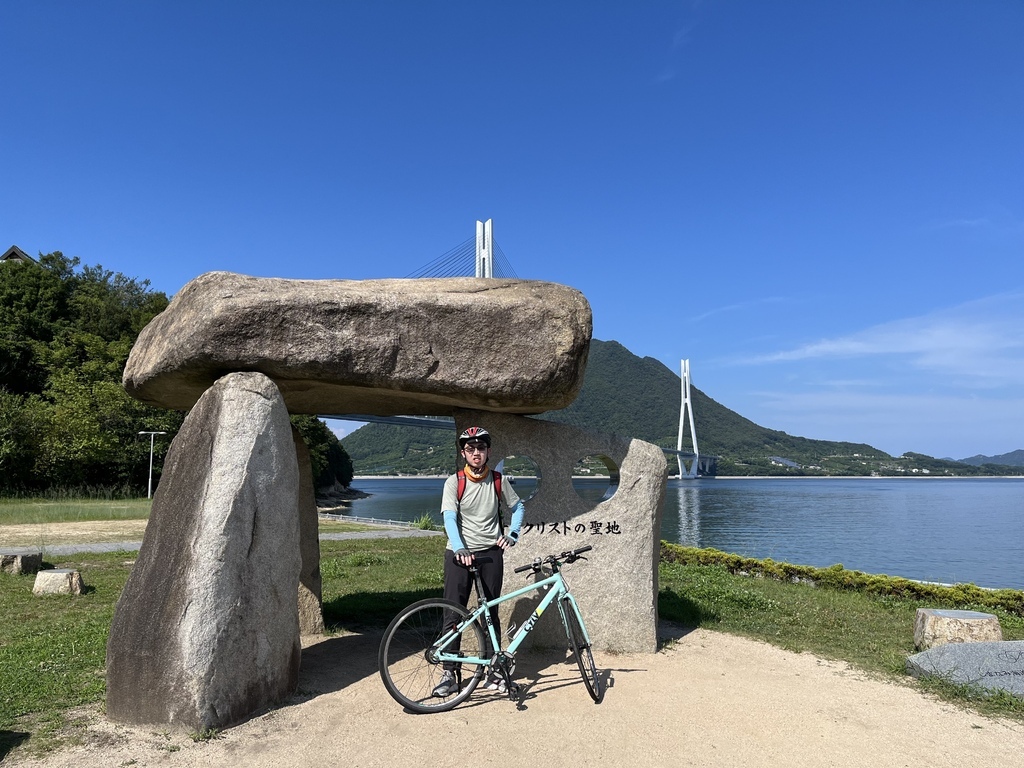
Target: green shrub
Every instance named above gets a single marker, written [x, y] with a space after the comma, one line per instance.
[838, 578]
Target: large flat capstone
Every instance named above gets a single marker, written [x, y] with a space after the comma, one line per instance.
[386, 347]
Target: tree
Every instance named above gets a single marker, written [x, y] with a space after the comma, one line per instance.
[65, 419]
[331, 464]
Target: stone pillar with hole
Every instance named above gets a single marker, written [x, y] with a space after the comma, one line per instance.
[617, 586]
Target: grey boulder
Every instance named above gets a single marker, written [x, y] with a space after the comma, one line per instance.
[386, 347]
[206, 631]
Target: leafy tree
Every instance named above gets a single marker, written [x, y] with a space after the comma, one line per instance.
[65, 335]
[331, 464]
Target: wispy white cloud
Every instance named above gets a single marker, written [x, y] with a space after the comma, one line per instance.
[981, 341]
[963, 223]
[997, 219]
[680, 39]
[737, 307]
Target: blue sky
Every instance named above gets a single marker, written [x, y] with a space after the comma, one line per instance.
[820, 204]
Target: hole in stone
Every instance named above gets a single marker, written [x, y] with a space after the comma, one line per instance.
[595, 478]
[523, 473]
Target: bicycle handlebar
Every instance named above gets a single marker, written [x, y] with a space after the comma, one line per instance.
[567, 557]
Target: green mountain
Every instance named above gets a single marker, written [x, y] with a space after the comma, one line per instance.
[639, 397]
[1011, 459]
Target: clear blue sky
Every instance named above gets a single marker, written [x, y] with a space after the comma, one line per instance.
[820, 204]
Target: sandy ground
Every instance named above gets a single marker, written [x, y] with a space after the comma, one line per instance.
[36, 535]
[707, 699]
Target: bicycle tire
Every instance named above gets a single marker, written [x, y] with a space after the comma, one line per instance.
[403, 660]
[581, 648]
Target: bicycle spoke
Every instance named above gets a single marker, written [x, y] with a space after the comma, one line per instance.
[410, 672]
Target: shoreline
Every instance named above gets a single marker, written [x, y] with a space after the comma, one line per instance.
[357, 478]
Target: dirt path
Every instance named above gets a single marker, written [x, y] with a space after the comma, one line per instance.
[44, 535]
[709, 699]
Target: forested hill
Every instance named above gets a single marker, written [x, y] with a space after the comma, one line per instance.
[1011, 459]
[639, 397]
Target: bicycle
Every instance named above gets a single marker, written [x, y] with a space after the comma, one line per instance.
[417, 644]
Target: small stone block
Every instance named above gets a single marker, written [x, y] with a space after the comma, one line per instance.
[19, 563]
[995, 666]
[933, 626]
[58, 581]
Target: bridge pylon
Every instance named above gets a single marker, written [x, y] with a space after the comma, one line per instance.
[485, 248]
[686, 412]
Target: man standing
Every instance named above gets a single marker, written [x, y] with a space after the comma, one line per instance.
[471, 507]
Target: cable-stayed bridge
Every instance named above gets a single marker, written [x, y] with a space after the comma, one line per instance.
[482, 257]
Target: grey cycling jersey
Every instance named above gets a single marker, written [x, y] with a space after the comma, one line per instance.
[477, 522]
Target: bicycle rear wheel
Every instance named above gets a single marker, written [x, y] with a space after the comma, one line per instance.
[406, 659]
[579, 646]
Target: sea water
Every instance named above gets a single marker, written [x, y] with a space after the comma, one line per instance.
[945, 530]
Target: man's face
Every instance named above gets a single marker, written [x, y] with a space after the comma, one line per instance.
[476, 453]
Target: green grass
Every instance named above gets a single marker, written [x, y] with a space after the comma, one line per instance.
[367, 581]
[52, 649]
[39, 510]
[340, 526]
[425, 523]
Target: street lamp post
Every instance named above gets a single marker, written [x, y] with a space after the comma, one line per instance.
[152, 437]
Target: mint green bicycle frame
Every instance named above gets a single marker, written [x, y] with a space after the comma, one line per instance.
[556, 589]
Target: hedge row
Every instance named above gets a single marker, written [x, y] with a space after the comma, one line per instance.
[838, 578]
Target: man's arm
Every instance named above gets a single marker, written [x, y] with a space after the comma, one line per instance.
[512, 537]
[451, 527]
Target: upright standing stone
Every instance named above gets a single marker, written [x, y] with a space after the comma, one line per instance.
[311, 616]
[206, 630]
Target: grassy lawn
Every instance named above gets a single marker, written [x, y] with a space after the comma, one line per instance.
[52, 649]
[36, 511]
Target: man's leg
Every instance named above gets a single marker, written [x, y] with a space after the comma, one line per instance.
[492, 572]
[458, 583]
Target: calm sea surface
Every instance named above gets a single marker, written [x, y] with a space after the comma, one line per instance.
[945, 530]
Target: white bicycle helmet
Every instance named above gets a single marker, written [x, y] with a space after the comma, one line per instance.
[474, 433]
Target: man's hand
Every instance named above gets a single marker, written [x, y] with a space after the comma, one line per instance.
[465, 557]
[505, 542]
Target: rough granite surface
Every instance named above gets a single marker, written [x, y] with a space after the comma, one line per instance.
[206, 630]
[384, 347]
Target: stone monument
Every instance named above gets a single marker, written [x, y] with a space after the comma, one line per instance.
[206, 631]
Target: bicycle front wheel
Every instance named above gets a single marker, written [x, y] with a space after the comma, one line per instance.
[579, 646]
[407, 658]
